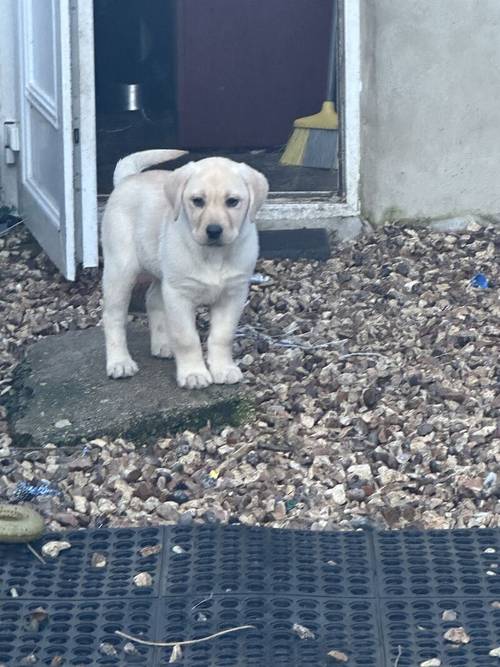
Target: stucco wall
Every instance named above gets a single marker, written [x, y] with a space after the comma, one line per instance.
[8, 178]
[430, 128]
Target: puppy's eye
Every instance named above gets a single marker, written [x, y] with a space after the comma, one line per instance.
[231, 202]
[199, 202]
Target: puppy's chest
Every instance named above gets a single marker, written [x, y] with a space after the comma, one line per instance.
[205, 288]
[205, 293]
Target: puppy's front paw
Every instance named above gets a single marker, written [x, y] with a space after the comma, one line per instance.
[196, 378]
[122, 368]
[226, 374]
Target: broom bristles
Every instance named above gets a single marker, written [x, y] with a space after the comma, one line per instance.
[322, 150]
[313, 142]
[295, 148]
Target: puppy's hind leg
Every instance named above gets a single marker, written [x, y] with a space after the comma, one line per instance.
[160, 343]
[117, 284]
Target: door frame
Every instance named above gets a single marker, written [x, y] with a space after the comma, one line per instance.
[308, 207]
[84, 123]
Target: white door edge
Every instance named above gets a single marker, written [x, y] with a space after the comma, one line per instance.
[86, 124]
[67, 131]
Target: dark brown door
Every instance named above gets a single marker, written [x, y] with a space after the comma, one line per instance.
[247, 68]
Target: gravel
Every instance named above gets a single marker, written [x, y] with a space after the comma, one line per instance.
[376, 377]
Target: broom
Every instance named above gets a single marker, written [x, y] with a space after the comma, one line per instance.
[314, 140]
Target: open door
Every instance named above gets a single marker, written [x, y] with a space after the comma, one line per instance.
[57, 190]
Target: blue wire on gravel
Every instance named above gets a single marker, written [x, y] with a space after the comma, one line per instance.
[25, 491]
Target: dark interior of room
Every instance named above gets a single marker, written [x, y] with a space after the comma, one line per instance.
[216, 78]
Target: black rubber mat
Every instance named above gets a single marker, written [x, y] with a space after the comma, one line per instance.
[377, 599]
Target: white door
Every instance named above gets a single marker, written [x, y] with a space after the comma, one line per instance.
[57, 119]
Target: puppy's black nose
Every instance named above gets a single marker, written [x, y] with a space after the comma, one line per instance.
[214, 232]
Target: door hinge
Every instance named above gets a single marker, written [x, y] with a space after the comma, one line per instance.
[76, 135]
[12, 141]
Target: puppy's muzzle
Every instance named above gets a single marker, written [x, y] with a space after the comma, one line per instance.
[214, 233]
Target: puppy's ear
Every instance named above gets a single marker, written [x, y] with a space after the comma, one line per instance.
[176, 184]
[258, 188]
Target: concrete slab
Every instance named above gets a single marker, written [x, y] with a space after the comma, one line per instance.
[63, 395]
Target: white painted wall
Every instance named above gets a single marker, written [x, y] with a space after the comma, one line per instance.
[430, 108]
[8, 98]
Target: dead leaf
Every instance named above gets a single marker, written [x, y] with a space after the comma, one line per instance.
[177, 549]
[37, 619]
[176, 654]
[130, 649]
[338, 656]
[200, 617]
[98, 560]
[150, 550]
[143, 579]
[303, 632]
[54, 548]
[449, 615]
[457, 636]
[107, 649]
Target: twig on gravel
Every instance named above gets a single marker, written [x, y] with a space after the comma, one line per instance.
[36, 554]
[235, 456]
[398, 657]
[200, 603]
[288, 342]
[9, 229]
[231, 460]
[183, 643]
[292, 342]
[362, 354]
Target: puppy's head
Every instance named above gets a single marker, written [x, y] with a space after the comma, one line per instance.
[217, 196]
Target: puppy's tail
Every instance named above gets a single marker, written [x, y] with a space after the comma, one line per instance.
[137, 162]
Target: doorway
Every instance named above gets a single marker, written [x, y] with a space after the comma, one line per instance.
[218, 78]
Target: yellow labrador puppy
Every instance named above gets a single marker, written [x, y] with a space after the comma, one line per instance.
[192, 230]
